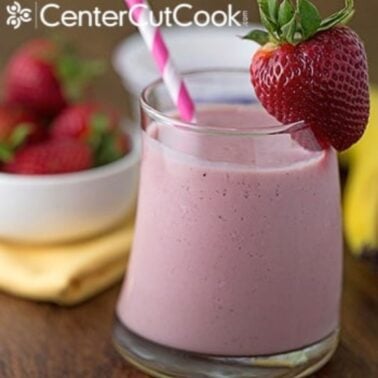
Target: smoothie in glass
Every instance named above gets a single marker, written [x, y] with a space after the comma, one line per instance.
[238, 246]
[230, 258]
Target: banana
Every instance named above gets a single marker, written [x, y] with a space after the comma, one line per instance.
[361, 204]
[361, 192]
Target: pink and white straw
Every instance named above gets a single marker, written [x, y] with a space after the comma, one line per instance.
[142, 16]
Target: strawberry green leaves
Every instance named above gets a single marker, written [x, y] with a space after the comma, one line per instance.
[287, 17]
[279, 19]
[289, 31]
[76, 73]
[273, 7]
[15, 140]
[309, 18]
[286, 12]
[289, 21]
[266, 19]
[6, 153]
[259, 36]
[100, 125]
[19, 135]
[339, 18]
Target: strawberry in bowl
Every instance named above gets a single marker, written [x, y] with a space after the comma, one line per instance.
[51, 157]
[312, 70]
[96, 125]
[17, 127]
[41, 206]
[44, 118]
[62, 186]
[68, 170]
[45, 76]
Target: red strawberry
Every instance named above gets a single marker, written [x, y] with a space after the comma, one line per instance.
[96, 125]
[86, 122]
[313, 71]
[51, 157]
[31, 80]
[17, 127]
[44, 77]
[12, 116]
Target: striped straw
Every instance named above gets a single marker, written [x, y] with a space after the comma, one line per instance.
[142, 16]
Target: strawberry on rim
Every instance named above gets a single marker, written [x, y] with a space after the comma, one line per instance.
[312, 70]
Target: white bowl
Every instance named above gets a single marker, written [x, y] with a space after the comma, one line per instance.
[67, 207]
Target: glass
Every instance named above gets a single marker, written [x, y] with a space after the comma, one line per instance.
[236, 264]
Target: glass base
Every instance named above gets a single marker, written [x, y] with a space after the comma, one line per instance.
[164, 362]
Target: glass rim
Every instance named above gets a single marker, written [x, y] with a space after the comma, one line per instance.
[168, 119]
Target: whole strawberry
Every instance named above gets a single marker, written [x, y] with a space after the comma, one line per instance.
[44, 77]
[312, 70]
[17, 128]
[51, 157]
[95, 124]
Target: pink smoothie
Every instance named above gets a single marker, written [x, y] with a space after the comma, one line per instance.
[239, 257]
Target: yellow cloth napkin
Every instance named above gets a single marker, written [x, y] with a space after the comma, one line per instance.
[65, 274]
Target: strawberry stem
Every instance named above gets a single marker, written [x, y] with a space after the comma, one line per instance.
[6, 153]
[342, 17]
[100, 125]
[15, 141]
[19, 135]
[289, 23]
[76, 73]
[259, 36]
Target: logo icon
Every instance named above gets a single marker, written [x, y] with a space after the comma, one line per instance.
[18, 15]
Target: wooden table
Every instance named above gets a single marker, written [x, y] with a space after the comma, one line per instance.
[42, 340]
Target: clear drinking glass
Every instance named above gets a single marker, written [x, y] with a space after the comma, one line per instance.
[236, 265]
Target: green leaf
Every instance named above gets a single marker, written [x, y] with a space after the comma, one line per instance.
[100, 124]
[342, 20]
[77, 74]
[310, 19]
[285, 13]
[266, 20]
[6, 153]
[289, 30]
[108, 151]
[19, 135]
[263, 7]
[273, 6]
[259, 36]
[339, 18]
